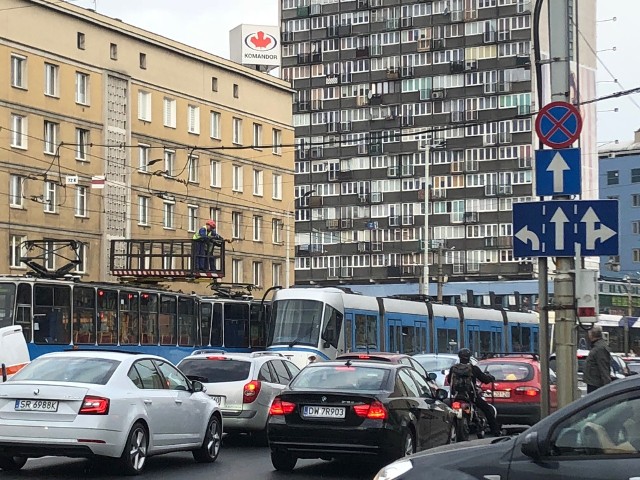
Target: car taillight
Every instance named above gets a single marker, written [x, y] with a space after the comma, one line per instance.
[94, 406]
[278, 407]
[251, 391]
[456, 406]
[374, 411]
[527, 391]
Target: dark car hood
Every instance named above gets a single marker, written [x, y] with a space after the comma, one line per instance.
[481, 457]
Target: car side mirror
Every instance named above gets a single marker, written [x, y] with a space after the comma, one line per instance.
[531, 446]
[432, 376]
[198, 386]
[442, 394]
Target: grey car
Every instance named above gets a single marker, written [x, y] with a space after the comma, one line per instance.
[243, 385]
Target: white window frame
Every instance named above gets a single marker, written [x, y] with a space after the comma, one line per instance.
[276, 141]
[237, 131]
[143, 157]
[236, 270]
[169, 112]
[50, 137]
[277, 227]
[144, 106]
[236, 225]
[257, 136]
[17, 251]
[50, 197]
[276, 192]
[19, 136]
[18, 71]
[51, 80]
[256, 270]
[216, 127]
[276, 273]
[192, 217]
[81, 201]
[258, 182]
[193, 169]
[82, 143]
[169, 162]
[215, 172]
[238, 185]
[143, 211]
[16, 191]
[49, 255]
[82, 257]
[193, 119]
[168, 215]
[82, 88]
[257, 228]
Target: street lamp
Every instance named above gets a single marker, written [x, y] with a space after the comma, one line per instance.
[287, 275]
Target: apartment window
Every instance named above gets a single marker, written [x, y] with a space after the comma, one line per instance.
[193, 119]
[613, 177]
[256, 268]
[80, 41]
[168, 214]
[635, 227]
[277, 187]
[16, 191]
[237, 178]
[81, 201]
[18, 131]
[50, 197]
[635, 175]
[257, 228]
[192, 216]
[214, 214]
[169, 162]
[276, 230]
[113, 51]
[82, 88]
[143, 211]
[214, 84]
[51, 73]
[82, 143]
[237, 131]
[81, 267]
[18, 71]
[50, 255]
[194, 165]
[635, 200]
[143, 61]
[169, 113]
[17, 250]
[276, 142]
[216, 176]
[258, 182]
[236, 224]
[215, 125]
[636, 255]
[257, 135]
[276, 274]
[144, 106]
[50, 137]
[236, 270]
[143, 157]
[236, 90]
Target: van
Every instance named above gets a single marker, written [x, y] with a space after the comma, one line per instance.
[14, 353]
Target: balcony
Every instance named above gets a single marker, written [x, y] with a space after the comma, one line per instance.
[471, 217]
[364, 247]
[407, 72]
[391, 24]
[424, 45]
[375, 50]
[393, 73]
[346, 223]
[457, 67]
[362, 4]
[376, 99]
[333, 224]
[315, 9]
[301, 107]
[332, 79]
[362, 52]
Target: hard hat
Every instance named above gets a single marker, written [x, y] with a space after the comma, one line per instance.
[211, 223]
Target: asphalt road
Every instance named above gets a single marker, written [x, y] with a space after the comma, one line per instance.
[240, 459]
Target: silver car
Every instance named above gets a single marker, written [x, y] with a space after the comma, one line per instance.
[108, 404]
[243, 385]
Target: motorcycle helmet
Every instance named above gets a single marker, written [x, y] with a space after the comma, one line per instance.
[464, 355]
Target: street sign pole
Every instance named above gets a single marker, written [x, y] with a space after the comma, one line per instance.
[564, 296]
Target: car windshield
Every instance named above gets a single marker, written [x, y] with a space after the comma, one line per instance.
[295, 322]
[97, 371]
[435, 364]
[341, 377]
[215, 370]
[508, 372]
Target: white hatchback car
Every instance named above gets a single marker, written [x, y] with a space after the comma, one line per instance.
[105, 404]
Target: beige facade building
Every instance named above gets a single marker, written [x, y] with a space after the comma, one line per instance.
[179, 135]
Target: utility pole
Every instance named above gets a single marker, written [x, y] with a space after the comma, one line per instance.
[629, 314]
[424, 287]
[440, 275]
[564, 295]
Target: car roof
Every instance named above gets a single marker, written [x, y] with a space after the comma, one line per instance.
[105, 354]
[248, 357]
[437, 355]
[358, 362]
[372, 355]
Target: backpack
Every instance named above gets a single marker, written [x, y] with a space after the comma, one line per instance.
[462, 381]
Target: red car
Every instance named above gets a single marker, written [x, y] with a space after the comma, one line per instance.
[516, 391]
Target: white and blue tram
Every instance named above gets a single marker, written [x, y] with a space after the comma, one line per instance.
[321, 323]
[58, 314]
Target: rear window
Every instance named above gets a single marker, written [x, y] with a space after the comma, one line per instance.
[97, 371]
[364, 356]
[509, 372]
[435, 364]
[341, 377]
[216, 371]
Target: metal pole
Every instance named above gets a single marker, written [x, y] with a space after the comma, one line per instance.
[424, 290]
[564, 296]
[543, 336]
[440, 276]
[629, 314]
[288, 253]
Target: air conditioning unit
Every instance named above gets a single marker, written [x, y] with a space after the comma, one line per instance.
[437, 94]
[376, 197]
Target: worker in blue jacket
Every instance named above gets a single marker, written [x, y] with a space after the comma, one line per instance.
[205, 241]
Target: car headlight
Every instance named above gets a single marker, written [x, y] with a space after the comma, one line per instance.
[394, 470]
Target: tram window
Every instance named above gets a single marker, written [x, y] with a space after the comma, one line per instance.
[149, 318]
[129, 318]
[216, 326]
[257, 326]
[447, 340]
[366, 331]
[332, 325]
[167, 320]
[536, 341]
[23, 315]
[236, 323]
[186, 321]
[84, 315]
[526, 339]
[408, 340]
[348, 335]
[7, 299]
[52, 314]
[485, 341]
[205, 322]
[107, 316]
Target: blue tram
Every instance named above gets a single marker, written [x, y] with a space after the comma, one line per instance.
[325, 322]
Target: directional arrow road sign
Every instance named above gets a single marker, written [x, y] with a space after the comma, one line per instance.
[558, 172]
[552, 229]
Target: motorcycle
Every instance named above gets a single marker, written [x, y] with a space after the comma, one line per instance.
[468, 418]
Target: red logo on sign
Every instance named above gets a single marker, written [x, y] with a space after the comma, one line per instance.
[260, 41]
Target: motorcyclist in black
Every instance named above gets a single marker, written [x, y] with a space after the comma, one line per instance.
[465, 357]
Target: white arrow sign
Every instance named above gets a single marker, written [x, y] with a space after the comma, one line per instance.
[559, 218]
[525, 235]
[603, 233]
[558, 166]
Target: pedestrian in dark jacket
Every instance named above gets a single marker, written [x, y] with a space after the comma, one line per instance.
[597, 368]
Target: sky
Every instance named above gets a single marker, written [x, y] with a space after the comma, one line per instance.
[205, 24]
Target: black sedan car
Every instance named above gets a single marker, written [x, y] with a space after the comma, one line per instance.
[337, 409]
[596, 437]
